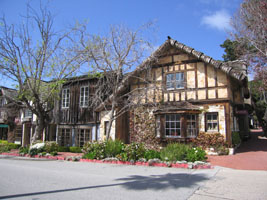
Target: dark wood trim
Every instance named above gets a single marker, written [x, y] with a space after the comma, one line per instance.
[181, 62]
[216, 82]
[206, 80]
[185, 84]
[196, 81]
[163, 83]
[227, 123]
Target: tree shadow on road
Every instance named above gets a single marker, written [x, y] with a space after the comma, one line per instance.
[153, 182]
[257, 142]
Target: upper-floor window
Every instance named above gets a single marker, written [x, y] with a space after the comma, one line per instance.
[212, 122]
[27, 113]
[84, 96]
[65, 98]
[175, 81]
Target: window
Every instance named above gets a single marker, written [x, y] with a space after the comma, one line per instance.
[191, 122]
[28, 113]
[212, 122]
[175, 81]
[172, 125]
[106, 127]
[84, 94]
[65, 98]
[83, 137]
[65, 138]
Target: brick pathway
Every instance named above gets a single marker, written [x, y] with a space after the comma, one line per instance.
[251, 155]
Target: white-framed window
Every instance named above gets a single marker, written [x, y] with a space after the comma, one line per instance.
[27, 113]
[84, 96]
[175, 81]
[172, 125]
[191, 125]
[65, 98]
[212, 122]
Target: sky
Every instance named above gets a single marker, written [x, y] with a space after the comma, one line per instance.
[200, 24]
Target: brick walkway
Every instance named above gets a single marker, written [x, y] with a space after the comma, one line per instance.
[251, 155]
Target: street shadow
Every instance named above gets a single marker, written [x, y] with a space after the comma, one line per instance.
[153, 182]
[162, 182]
[257, 142]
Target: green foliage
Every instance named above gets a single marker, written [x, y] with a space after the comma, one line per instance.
[13, 146]
[24, 150]
[151, 154]
[53, 153]
[63, 149]
[236, 139]
[3, 142]
[196, 154]
[222, 150]
[3, 148]
[174, 152]
[51, 147]
[89, 155]
[113, 148]
[231, 50]
[75, 149]
[122, 156]
[208, 140]
[135, 151]
[96, 148]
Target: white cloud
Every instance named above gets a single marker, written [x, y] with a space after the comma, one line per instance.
[219, 20]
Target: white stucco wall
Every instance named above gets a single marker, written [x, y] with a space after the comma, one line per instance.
[104, 116]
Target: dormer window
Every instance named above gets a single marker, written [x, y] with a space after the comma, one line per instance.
[175, 81]
[84, 96]
[65, 98]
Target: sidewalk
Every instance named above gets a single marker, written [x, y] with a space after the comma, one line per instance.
[251, 155]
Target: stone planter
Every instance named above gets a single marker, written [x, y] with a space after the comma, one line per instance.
[231, 151]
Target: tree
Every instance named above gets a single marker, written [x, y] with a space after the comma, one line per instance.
[249, 31]
[37, 58]
[115, 56]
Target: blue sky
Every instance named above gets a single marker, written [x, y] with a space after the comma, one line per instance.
[201, 24]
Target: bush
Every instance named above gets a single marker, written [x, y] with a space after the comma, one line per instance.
[3, 142]
[135, 151]
[75, 149]
[98, 149]
[151, 154]
[90, 155]
[24, 150]
[113, 148]
[208, 140]
[122, 156]
[51, 147]
[196, 154]
[63, 149]
[222, 150]
[3, 148]
[174, 152]
[236, 140]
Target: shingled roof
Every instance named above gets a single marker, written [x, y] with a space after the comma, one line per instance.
[235, 69]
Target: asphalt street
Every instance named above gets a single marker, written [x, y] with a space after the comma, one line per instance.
[22, 178]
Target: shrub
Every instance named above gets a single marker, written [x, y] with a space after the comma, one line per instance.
[63, 149]
[3, 142]
[174, 152]
[98, 148]
[53, 153]
[37, 148]
[151, 154]
[196, 154]
[75, 149]
[236, 140]
[13, 146]
[222, 150]
[3, 148]
[122, 156]
[113, 148]
[134, 151]
[90, 155]
[51, 147]
[24, 150]
[207, 140]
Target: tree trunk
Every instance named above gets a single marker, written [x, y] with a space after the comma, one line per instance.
[40, 126]
[111, 119]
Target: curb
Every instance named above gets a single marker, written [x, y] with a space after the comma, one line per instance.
[137, 163]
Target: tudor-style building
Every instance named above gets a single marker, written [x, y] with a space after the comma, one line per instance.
[186, 92]
[74, 122]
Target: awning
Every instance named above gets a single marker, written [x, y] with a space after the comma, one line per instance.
[3, 126]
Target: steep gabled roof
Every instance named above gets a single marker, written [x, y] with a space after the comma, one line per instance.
[235, 69]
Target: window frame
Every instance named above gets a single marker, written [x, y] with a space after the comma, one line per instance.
[65, 98]
[170, 128]
[175, 82]
[206, 121]
[84, 99]
[191, 128]
[84, 135]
